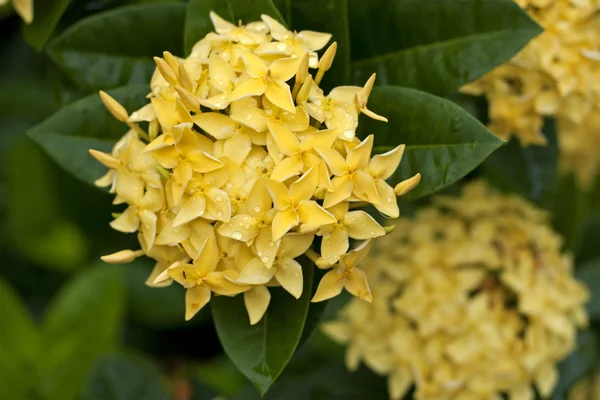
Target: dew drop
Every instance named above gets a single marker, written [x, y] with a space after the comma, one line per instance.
[389, 199]
[296, 273]
[257, 209]
[229, 185]
[220, 214]
[219, 197]
[317, 102]
[271, 243]
[218, 105]
[248, 117]
[281, 46]
[265, 259]
[349, 134]
[237, 235]
[259, 253]
[246, 226]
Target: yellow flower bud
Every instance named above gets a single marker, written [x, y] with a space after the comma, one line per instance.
[407, 185]
[116, 109]
[122, 257]
[105, 159]
[166, 71]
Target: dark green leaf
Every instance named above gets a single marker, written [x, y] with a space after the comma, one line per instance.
[125, 378]
[577, 365]
[116, 47]
[86, 124]
[443, 142]
[82, 322]
[285, 9]
[262, 351]
[46, 14]
[435, 45]
[570, 207]
[198, 23]
[329, 16]
[589, 273]
[531, 171]
[19, 345]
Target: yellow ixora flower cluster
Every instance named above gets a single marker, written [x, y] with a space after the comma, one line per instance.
[557, 75]
[472, 299]
[23, 7]
[238, 171]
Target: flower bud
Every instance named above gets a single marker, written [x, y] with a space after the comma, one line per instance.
[407, 185]
[116, 109]
[122, 257]
[105, 159]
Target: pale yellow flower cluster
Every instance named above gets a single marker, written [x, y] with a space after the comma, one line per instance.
[23, 7]
[557, 75]
[229, 172]
[472, 299]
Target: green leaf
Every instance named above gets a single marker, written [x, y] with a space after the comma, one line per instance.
[86, 124]
[435, 45]
[443, 142]
[285, 9]
[531, 171]
[262, 351]
[82, 322]
[19, 346]
[125, 377]
[116, 47]
[329, 16]
[46, 14]
[570, 207]
[198, 23]
[577, 365]
[589, 273]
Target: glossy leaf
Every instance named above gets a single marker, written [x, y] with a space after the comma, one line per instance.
[82, 322]
[86, 124]
[19, 346]
[329, 16]
[116, 47]
[262, 351]
[125, 377]
[443, 142]
[531, 171]
[589, 273]
[285, 9]
[570, 208]
[435, 45]
[46, 14]
[198, 23]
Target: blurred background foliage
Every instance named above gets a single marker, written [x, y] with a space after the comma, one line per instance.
[78, 326]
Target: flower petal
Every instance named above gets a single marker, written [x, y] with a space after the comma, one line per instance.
[201, 161]
[330, 286]
[218, 204]
[240, 227]
[237, 148]
[282, 223]
[256, 273]
[355, 256]
[286, 140]
[129, 186]
[388, 205]
[256, 300]
[313, 214]
[364, 187]
[342, 190]
[382, 166]
[220, 283]
[285, 68]
[357, 285]
[278, 192]
[289, 276]
[127, 222]
[314, 40]
[333, 159]
[289, 167]
[304, 188]
[221, 73]
[148, 227]
[195, 299]
[322, 139]
[358, 157]
[255, 66]
[334, 244]
[266, 247]
[294, 245]
[258, 200]
[251, 87]
[193, 208]
[218, 125]
[361, 225]
[279, 93]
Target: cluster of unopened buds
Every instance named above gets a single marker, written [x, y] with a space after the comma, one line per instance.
[231, 170]
[556, 75]
[472, 299]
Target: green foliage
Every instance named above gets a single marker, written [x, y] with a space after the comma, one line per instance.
[198, 23]
[52, 361]
[444, 142]
[46, 15]
[262, 351]
[83, 125]
[577, 365]
[589, 273]
[125, 377]
[436, 45]
[330, 16]
[530, 171]
[116, 47]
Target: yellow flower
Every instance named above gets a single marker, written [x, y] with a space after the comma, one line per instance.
[23, 7]
[555, 75]
[471, 299]
[227, 173]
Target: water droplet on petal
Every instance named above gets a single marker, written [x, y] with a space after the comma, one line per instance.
[220, 214]
[248, 117]
[317, 102]
[281, 46]
[237, 235]
[271, 243]
[247, 226]
[229, 185]
[349, 134]
[219, 198]
[259, 253]
[265, 259]
[257, 209]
